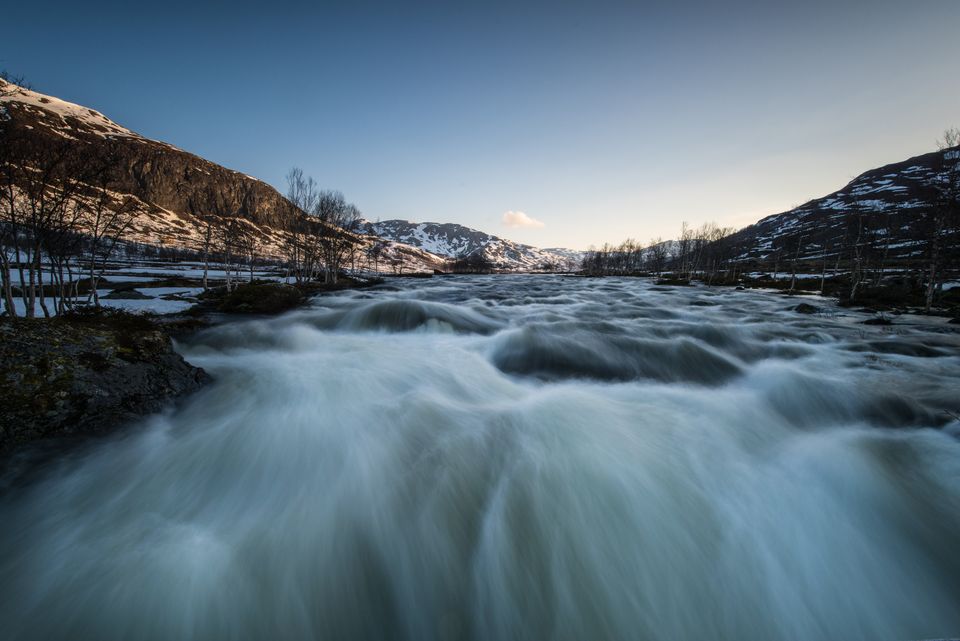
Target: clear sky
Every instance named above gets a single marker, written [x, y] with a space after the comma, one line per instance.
[581, 122]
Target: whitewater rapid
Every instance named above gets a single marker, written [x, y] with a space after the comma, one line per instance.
[516, 458]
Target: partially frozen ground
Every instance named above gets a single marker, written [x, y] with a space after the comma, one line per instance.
[162, 298]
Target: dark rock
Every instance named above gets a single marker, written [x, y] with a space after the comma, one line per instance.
[806, 308]
[879, 320]
[85, 374]
[126, 294]
[261, 298]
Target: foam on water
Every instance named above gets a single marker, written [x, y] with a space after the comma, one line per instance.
[515, 457]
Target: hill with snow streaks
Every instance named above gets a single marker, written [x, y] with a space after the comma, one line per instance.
[457, 241]
[887, 209]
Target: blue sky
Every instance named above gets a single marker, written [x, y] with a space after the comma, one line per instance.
[599, 120]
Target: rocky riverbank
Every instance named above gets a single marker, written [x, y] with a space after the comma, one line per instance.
[89, 372]
[85, 374]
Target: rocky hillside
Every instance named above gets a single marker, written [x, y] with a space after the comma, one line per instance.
[889, 208]
[173, 189]
[456, 241]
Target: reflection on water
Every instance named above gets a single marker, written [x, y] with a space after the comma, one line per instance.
[516, 458]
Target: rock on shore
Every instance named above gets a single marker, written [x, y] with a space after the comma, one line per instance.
[85, 374]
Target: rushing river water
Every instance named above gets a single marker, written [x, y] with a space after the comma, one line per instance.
[516, 458]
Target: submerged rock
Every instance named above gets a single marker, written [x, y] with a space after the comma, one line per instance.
[85, 374]
[806, 308]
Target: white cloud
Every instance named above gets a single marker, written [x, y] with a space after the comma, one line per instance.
[518, 219]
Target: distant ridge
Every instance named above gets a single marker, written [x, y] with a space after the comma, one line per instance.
[454, 241]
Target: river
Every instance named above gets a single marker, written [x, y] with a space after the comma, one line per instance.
[516, 457]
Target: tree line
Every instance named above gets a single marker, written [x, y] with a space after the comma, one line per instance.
[61, 224]
[703, 251]
[327, 238]
[59, 221]
[860, 251]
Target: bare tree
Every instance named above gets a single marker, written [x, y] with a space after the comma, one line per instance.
[683, 247]
[107, 219]
[941, 223]
[11, 85]
[207, 206]
[63, 244]
[658, 254]
[42, 180]
[856, 255]
[10, 233]
[949, 139]
[304, 194]
[793, 266]
[251, 242]
[375, 252]
[339, 221]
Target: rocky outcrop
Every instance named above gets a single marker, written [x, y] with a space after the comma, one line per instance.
[174, 186]
[85, 375]
[184, 183]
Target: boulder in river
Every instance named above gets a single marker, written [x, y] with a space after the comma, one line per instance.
[806, 308]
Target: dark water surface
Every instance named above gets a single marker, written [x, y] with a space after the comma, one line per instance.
[516, 458]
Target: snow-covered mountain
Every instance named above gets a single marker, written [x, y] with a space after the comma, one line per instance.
[456, 241]
[888, 209]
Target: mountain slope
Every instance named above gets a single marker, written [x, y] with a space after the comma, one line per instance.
[173, 186]
[173, 189]
[888, 207]
[455, 241]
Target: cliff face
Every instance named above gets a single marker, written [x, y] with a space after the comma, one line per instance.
[174, 187]
[181, 182]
